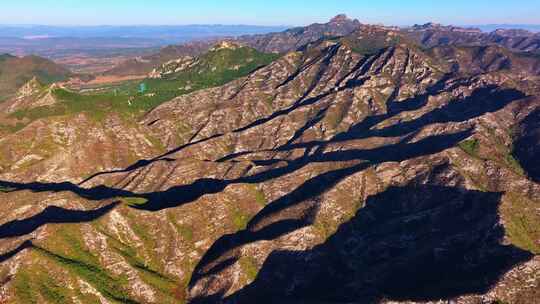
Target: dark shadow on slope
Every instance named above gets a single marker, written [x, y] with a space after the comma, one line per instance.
[139, 164]
[297, 209]
[301, 102]
[183, 194]
[527, 146]
[52, 215]
[417, 243]
[96, 193]
[179, 195]
[8, 255]
[483, 100]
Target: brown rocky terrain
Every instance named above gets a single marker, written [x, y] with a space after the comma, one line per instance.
[361, 168]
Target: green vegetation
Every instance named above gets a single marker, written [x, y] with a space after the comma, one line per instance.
[70, 253]
[240, 219]
[260, 197]
[161, 283]
[23, 290]
[249, 267]
[34, 282]
[134, 201]
[53, 292]
[12, 128]
[522, 223]
[185, 231]
[212, 69]
[514, 164]
[470, 146]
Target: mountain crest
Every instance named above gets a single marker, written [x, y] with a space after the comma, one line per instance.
[30, 88]
[342, 19]
[229, 45]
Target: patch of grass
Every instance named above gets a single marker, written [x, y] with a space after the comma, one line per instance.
[260, 197]
[134, 201]
[100, 279]
[12, 128]
[158, 281]
[156, 143]
[514, 164]
[147, 237]
[240, 219]
[68, 251]
[23, 289]
[470, 146]
[522, 223]
[52, 292]
[185, 231]
[249, 267]
[212, 69]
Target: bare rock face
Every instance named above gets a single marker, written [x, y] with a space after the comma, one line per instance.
[361, 168]
[30, 88]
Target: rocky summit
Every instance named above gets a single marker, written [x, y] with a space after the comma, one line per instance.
[335, 163]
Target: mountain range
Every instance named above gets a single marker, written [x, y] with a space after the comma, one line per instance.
[333, 163]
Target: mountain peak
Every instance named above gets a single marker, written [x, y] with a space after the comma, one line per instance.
[225, 45]
[30, 88]
[340, 19]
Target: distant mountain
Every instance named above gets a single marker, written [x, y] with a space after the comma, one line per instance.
[79, 46]
[296, 37]
[494, 27]
[278, 42]
[17, 71]
[143, 65]
[432, 34]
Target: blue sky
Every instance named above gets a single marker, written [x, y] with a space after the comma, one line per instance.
[269, 12]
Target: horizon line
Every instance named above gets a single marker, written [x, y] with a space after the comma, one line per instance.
[252, 25]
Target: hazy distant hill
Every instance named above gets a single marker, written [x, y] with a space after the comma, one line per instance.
[79, 46]
[16, 71]
[494, 27]
[170, 32]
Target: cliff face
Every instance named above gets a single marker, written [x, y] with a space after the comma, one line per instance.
[359, 167]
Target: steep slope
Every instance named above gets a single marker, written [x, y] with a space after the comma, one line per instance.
[313, 178]
[15, 72]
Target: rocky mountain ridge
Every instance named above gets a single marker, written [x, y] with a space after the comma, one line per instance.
[429, 35]
[331, 174]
